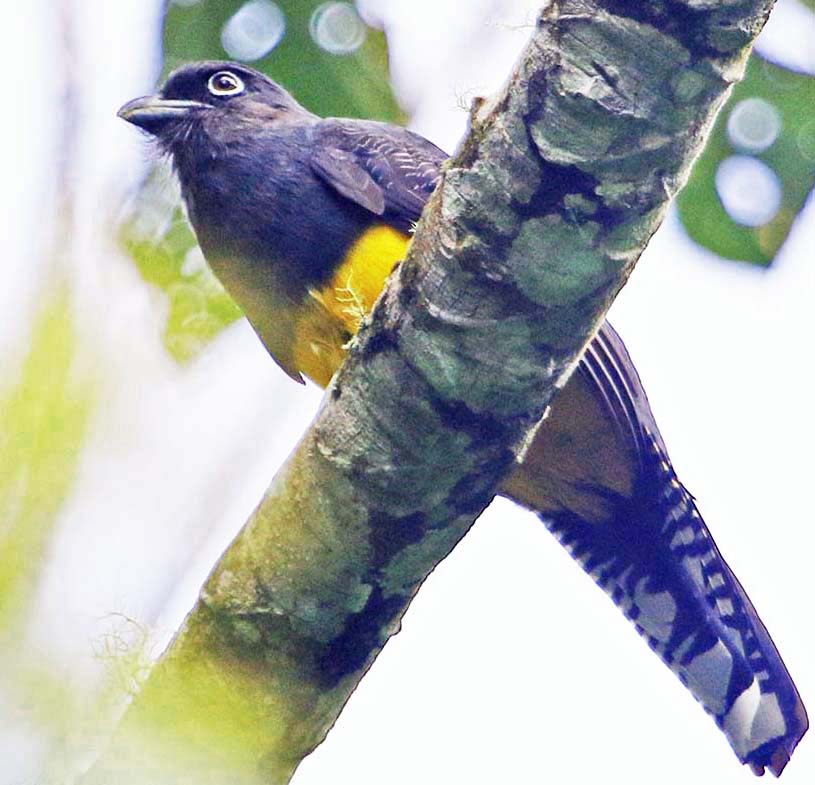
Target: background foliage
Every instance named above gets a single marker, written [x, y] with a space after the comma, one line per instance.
[778, 95]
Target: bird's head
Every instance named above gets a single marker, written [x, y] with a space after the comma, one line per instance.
[213, 93]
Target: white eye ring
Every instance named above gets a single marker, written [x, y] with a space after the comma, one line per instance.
[225, 83]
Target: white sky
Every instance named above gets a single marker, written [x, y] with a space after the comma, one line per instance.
[511, 666]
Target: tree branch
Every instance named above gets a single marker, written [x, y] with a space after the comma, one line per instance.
[534, 229]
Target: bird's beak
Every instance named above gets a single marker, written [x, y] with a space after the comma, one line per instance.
[152, 112]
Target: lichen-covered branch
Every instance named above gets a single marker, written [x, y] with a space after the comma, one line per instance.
[535, 227]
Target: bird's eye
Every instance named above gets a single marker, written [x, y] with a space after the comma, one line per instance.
[225, 83]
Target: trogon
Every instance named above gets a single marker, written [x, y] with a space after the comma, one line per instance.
[302, 218]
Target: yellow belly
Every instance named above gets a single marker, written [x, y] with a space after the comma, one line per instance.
[331, 316]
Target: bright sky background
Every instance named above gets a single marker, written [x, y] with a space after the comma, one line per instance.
[511, 666]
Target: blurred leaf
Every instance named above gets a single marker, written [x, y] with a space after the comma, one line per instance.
[791, 156]
[44, 419]
[163, 247]
[355, 84]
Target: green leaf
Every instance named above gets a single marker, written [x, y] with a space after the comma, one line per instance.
[791, 157]
[161, 243]
[355, 84]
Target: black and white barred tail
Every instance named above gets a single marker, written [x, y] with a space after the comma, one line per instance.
[657, 561]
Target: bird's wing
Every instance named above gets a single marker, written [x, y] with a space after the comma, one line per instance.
[388, 170]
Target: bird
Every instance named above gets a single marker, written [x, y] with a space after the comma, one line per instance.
[303, 218]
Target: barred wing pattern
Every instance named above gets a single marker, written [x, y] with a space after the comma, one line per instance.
[660, 566]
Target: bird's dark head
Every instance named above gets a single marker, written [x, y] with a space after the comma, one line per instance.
[212, 93]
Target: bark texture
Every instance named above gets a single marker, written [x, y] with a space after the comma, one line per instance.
[534, 229]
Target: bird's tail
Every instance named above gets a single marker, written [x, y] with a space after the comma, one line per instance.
[648, 548]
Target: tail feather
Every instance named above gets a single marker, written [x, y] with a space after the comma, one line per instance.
[659, 564]
[645, 544]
